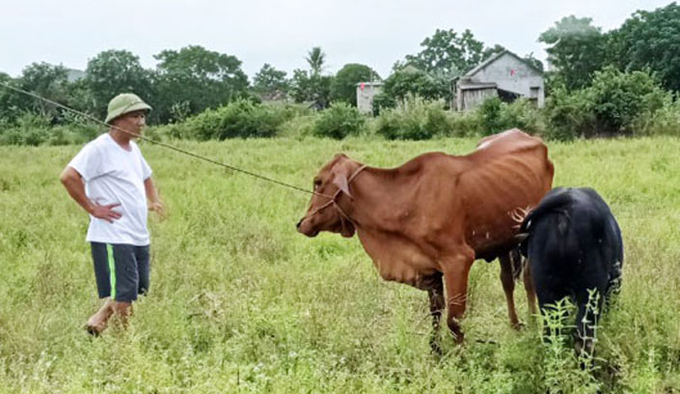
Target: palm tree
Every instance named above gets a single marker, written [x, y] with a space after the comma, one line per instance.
[316, 59]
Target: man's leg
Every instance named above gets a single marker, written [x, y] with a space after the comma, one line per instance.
[143, 268]
[126, 282]
[98, 321]
[117, 279]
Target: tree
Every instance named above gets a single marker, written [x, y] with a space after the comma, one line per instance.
[9, 101]
[113, 72]
[199, 77]
[344, 84]
[577, 49]
[312, 86]
[270, 83]
[410, 81]
[651, 40]
[490, 51]
[47, 81]
[316, 59]
[449, 54]
[533, 61]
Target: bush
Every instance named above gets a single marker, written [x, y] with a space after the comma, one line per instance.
[496, 116]
[612, 105]
[489, 113]
[619, 98]
[568, 115]
[34, 130]
[383, 101]
[523, 115]
[664, 121]
[239, 119]
[465, 124]
[416, 119]
[298, 127]
[339, 121]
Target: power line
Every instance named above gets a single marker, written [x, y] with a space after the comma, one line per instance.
[171, 147]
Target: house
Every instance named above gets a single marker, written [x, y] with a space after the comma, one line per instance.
[365, 93]
[503, 75]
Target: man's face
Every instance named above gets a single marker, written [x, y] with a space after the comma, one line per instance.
[132, 122]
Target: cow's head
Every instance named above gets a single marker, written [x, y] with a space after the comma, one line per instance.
[331, 185]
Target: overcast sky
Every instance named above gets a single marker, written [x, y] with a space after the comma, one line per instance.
[376, 33]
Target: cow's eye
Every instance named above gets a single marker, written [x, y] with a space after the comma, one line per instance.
[317, 183]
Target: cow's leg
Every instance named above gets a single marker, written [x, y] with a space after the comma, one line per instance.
[456, 269]
[508, 281]
[530, 289]
[435, 291]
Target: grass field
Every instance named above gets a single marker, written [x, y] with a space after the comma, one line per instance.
[240, 302]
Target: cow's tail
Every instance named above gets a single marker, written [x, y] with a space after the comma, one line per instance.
[556, 201]
[516, 262]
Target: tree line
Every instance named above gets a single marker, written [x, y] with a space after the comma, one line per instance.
[596, 80]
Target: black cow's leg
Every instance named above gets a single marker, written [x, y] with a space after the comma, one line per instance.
[613, 285]
[548, 296]
[508, 281]
[435, 291]
[456, 270]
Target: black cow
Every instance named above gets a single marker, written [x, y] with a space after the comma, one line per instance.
[574, 245]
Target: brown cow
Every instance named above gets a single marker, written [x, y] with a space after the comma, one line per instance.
[436, 214]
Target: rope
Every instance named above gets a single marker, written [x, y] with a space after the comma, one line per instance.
[171, 147]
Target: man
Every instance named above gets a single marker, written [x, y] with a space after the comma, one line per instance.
[110, 180]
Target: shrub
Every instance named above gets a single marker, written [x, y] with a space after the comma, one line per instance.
[496, 116]
[618, 98]
[241, 118]
[489, 113]
[568, 115]
[664, 121]
[415, 119]
[465, 124]
[612, 105]
[523, 115]
[339, 121]
[298, 127]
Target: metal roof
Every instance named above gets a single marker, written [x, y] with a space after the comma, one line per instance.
[495, 57]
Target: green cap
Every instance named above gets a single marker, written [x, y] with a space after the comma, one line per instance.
[125, 103]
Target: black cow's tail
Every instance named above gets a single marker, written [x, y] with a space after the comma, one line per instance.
[554, 202]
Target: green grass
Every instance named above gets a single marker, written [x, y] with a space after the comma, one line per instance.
[240, 302]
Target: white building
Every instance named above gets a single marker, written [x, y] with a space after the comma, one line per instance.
[365, 93]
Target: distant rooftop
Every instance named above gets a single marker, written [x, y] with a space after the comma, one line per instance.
[493, 58]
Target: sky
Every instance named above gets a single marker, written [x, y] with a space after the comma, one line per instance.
[372, 32]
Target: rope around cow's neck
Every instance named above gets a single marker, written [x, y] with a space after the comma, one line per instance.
[332, 201]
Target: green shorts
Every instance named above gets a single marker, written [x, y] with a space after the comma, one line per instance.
[121, 271]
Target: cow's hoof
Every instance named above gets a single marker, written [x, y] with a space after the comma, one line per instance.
[436, 348]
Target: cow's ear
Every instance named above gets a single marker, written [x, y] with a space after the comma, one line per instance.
[341, 182]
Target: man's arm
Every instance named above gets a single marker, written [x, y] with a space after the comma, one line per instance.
[73, 183]
[155, 203]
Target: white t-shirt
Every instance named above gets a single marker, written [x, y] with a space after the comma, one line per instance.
[114, 175]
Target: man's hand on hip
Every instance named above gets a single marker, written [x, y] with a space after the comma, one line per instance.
[105, 212]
